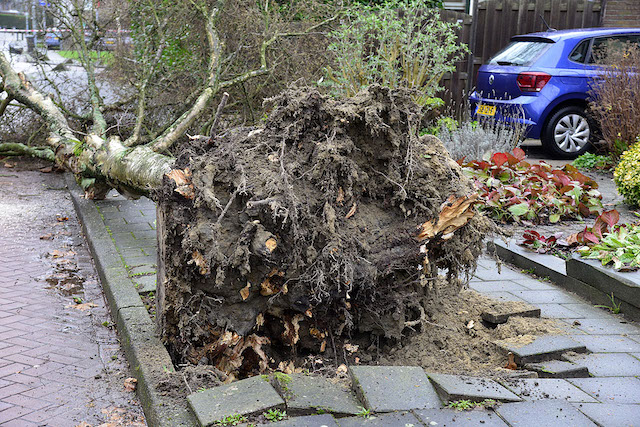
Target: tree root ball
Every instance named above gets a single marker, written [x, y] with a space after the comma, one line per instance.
[280, 240]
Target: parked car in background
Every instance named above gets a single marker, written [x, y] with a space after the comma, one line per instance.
[53, 40]
[543, 80]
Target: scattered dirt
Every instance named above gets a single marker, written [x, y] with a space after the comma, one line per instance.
[282, 240]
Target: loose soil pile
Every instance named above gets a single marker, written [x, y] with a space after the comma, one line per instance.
[284, 241]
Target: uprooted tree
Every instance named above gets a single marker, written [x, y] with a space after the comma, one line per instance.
[334, 219]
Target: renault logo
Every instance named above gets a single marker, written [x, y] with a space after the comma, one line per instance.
[491, 79]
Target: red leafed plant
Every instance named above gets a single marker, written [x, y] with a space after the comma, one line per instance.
[513, 190]
[540, 243]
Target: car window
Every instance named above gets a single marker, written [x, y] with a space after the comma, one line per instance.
[519, 53]
[605, 49]
[579, 53]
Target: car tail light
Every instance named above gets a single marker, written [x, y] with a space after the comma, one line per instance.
[532, 81]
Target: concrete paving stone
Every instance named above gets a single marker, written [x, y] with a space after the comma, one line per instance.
[245, 397]
[500, 314]
[558, 311]
[611, 389]
[395, 419]
[448, 417]
[544, 348]
[607, 343]
[558, 369]
[505, 274]
[503, 296]
[547, 388]
[324, 420]
[610, 414]
[145, 284]
[588, 311]
[545, 297]
[393, 388]
[607, 326]
[496, 286]
[476, 389]
[147, 234]
[608, 364]
[536, 284]
[537, 413]
[306, 394]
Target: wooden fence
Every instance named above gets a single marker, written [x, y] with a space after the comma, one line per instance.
[496, 21]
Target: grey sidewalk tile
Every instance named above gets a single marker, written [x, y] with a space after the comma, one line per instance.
[306, 394]
[497, 315]
[536, 284]
[608, 343]
[145, 284]
[607, 326]
[609, 414]
[558, 311]
[558, 369]
[476, 389]
[504, 274]
[324, 420]
[544, 348]
[245, 397]
[547, 388]
[610, 390]
[503, 296]
[609, 364]
[545, 297]
[588, 311]
[393, 388]
[496, 286]
[538, 413]
[396, 419]
[447, 417]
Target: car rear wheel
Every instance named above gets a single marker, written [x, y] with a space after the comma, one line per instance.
[568, 132]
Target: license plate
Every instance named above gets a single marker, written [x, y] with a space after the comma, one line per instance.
[486, 110]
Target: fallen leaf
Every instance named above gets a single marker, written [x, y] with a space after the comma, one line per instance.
[342, 369]
[180, 177]
[267, 287]
[186, 191]
[47, 236]
[291, 329]
[83, 307]
[340, 198]
[244, 292]
[198, 259]
[271, 244]
[62, 218]
[259, 320]
[48, 169]
[130, 384]
[286, 367]
[453, 215]
[323, 346]
[9, 165]
[351, 348]
[357, 360]
[352, 211]
[471, 324]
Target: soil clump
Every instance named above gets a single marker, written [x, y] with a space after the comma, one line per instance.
[285, 240]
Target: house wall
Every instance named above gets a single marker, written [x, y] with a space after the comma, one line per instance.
[622, 13]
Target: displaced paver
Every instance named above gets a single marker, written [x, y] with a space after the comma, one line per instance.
[324, 420]
[607, 343]
[538, 413]
[476, 389]
[610, 414]
[544, 348]
[397, 419]
[245, 397]
[306, 394]
[447, 417]
[547, 388]
[501, 315]
[609, 364]
[393, 388]
[610, 390]
[558, 369]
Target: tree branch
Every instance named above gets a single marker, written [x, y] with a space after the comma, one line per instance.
[11, 148]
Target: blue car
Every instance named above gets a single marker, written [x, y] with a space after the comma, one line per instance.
[543, 81]
[53, 40]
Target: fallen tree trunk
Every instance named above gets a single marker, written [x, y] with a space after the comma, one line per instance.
[283, 240]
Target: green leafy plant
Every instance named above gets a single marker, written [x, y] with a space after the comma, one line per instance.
[614, 308]
[395, 44]
[512, 190]
[232, 420]
[620, 247]
[364, 413]
[466, 405]
[591, 161]
[274, 415]
[627, 175]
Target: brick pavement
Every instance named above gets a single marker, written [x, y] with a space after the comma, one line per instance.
[59, 366]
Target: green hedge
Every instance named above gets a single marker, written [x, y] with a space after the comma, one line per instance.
[10, 20]
[627, 175]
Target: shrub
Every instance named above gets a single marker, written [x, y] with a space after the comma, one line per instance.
[627, 175]
[475, 140]
[616, 104]
[398, 44]
[591, 161]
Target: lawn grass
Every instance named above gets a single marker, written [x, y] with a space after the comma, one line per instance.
[72, 54]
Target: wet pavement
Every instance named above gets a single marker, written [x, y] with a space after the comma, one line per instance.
[60, 359]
